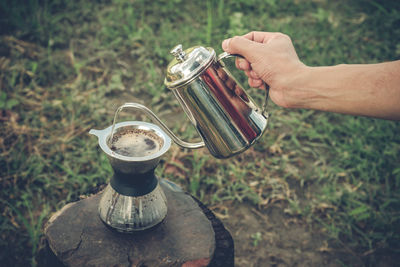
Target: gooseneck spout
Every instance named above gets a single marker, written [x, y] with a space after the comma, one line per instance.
[154, 117]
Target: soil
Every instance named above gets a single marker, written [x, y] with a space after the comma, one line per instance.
[283, 241]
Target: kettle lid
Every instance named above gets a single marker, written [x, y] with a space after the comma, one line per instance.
[187, 65]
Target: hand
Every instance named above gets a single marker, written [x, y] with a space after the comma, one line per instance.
[269, 57]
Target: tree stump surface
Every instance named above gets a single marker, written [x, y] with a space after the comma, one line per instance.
[190, 235]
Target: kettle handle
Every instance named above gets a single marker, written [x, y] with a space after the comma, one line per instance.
[264, 106]
[154, 117]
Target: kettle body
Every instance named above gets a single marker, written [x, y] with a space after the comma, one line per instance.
[225, 116]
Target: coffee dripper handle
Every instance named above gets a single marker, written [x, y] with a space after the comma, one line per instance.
[154, 117]
[97, 133]
[264, 106]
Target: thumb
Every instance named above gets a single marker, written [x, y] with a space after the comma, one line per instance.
[242, 46]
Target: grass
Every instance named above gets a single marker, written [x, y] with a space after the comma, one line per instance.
[68, 65]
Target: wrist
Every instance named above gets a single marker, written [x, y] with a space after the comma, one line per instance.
[297, 90]
[367, 90]
[320, 88]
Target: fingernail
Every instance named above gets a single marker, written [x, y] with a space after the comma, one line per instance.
[225, 44]
[242, 64]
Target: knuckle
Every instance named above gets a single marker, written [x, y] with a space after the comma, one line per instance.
[253, 33]
[284, 36]
[279, 35]
[235, 39]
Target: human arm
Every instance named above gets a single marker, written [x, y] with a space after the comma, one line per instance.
[368, 90]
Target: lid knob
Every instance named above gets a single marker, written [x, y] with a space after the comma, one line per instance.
[178, 53]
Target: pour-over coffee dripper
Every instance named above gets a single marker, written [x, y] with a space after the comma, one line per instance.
[133, 200]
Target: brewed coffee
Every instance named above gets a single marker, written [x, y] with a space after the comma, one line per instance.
[136, 143]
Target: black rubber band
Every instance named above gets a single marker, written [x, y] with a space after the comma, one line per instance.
[134, 185]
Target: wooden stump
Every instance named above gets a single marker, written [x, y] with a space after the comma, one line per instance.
[190, 235]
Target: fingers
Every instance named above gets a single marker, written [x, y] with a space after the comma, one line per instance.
[259, 37]
[242, 64]
[254, 78]
[255, 83]
[250, 46]
[252, 74]
[242, 46]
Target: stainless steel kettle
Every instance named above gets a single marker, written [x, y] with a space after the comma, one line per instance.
[225, 116]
